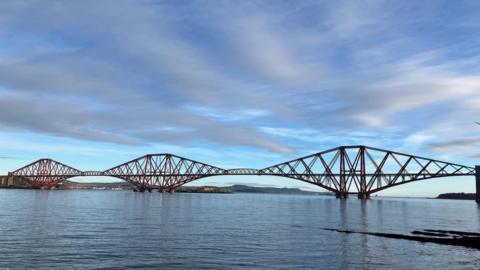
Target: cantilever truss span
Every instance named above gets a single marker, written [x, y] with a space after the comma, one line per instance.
[46, 173]
[343, 170]
[364, 170]
[162, 171]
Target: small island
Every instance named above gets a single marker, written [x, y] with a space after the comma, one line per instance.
[203, 189]
[457, 196]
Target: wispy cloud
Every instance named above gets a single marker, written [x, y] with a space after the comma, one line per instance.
[260, 75]
[265, 48]
[7, 157]
[456, 145]
[227, 115]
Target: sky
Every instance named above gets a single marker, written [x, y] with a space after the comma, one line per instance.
[239, 83]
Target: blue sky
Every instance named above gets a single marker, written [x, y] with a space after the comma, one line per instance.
[239, 83]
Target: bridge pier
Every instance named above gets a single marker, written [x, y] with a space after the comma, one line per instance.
[477, 177]
[10, 181]
[363, 196]
[166, 190]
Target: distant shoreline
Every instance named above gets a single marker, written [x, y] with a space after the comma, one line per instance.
[70, 185]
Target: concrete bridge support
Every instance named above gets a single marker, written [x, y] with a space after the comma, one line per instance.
[477, 176]
[142, 189]
[363, 196]
[10, 181]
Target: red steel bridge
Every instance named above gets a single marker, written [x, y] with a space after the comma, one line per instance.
[344, 170]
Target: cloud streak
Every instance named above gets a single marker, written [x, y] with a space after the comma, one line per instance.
[274, 77]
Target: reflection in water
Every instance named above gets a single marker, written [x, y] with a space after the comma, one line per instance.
[102, 229]
[364, 255]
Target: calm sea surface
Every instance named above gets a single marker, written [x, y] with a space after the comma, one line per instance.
[126, 230]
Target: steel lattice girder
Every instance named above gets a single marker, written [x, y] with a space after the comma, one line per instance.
[46, 172]
[362, 169]
[164, 171]
[345, 169]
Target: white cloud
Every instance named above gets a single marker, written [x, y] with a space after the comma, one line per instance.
[302, 134]
[418, 138]
[231, 115]
[245, 74]
[268, 51]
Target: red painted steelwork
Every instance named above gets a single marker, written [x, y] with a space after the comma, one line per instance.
[364, 170]
[46, 173]
[165, 172]
[343, 170]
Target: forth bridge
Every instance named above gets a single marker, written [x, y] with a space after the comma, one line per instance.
[345, 170]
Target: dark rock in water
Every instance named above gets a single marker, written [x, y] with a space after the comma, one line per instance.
[461, 233]
[456, 238]
[427, 233]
